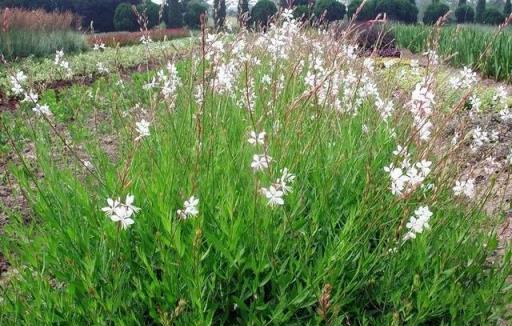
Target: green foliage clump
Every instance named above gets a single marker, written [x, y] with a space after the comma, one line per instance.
[492, 16]
[434, 12]
[195, 9]
[366, 13]
[398, 10]
[329, 10]
[124, 18]
[262, 12]
[507, 10]
[465, 14]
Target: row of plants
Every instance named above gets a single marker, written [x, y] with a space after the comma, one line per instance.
[38, 33]
[470, 45]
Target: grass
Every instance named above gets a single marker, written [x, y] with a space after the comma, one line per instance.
[333, 253]
[16, 44]
[464, 46]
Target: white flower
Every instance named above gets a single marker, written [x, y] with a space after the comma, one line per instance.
[466, 187]
[112, 205]
[480, 138]
[99, 46]
[119, 212]
[190, 208]
[42, 110]
[256, 138]
[102, 69]
[142, 128]
[260, 162]
[285, 181]
[274, 196]
[418, 223]
[123, 215]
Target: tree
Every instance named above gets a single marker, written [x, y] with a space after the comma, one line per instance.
[219, 13]
[262, 11]
[174, 14]
[152, 12]
[465, 14]
[243, 11]
[124, 18]
[400, 10]
[462, 3]
[329, 10]
[366, 13]
[434, 12]
[508, 8]
[480, 8]
[194, 11]
[492, 16]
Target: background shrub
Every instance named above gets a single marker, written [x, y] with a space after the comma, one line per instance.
[262, 11]
[399, 10]
[434, 12]
[492, 16]
[193, 14]
[124, 18]
[329, 10]
[508, 8]
[152, 11]
[366, 13]
[465, 14]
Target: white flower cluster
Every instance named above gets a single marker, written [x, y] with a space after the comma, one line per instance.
[465, 187]
[421, 107]
[500, 100]
[167, 81]
[482, 138]
[279, 189]
[408, 176]
[99, 46]
[120, 212]
[190, 208]
[17, 87]
[464, 80]
[60, 62]
[418, 222]
[142, 128]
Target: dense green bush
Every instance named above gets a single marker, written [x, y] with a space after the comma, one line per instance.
[492, 16]
[434, 12]
[399, 10]
[193, 14]
[152, 12]
[19, 43]
[124, 18]
[465, 14]
[508, 8]
[329, 10]
[262, 11]
[366, 13]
